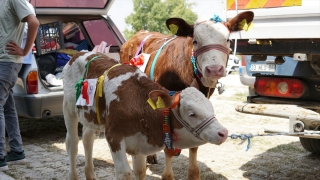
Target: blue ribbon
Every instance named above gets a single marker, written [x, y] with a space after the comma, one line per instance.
[156, 57]
[216, 18]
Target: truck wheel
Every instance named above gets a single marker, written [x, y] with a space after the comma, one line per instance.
[311, 145]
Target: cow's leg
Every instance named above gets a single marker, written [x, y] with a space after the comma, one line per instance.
[167, 173]
[121, 164]
[193, 171]
[88, 136]
[152, 159]
[72, 140]
[139, 167]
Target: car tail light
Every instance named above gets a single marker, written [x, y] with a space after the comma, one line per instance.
[279, 87]
[32, 82]
[243, 60]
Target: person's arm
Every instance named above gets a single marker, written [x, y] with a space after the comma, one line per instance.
[14, 48]
[33, 25]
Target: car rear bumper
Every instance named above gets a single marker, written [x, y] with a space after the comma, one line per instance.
[245, 79]
[39, 105]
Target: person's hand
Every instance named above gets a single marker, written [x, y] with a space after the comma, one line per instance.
[14, 49]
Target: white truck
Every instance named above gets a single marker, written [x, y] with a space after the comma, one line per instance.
[282, 63]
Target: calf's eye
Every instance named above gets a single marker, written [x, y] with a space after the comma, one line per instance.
[192, 114]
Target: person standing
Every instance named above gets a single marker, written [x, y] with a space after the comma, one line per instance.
[13, 15]
[27, 59]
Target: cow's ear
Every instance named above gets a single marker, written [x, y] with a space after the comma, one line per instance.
[240, 22]
[179, 27]
[160, 99]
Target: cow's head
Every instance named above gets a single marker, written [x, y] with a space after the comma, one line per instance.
[196, 116]
[211, 42]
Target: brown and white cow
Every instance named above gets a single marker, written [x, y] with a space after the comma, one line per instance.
[130, 124]
[173, 68]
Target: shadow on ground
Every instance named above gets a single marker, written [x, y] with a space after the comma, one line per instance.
[43, 130]
[285, 162]
[52, 130]
[180, 168]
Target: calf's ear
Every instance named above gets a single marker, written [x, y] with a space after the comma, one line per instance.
[179, 27]
[240, 22]
[160, 99]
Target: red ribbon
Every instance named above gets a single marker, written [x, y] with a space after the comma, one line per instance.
[85, 91]
[176, 100]
[174, 151]
[137, 61]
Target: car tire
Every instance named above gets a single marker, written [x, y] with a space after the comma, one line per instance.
[310, 144]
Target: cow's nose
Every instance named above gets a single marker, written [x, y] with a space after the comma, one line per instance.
[223, 134]
[214, 70]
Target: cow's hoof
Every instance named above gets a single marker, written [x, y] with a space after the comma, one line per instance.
[72, 176]
[152, 159]
[91, 178]
[194, 176]
[193, 173]
[167, 177]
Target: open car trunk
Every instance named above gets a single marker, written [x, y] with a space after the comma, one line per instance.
[66, 27]
[60, 37]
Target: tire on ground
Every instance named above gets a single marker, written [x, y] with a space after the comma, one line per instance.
[310, 144]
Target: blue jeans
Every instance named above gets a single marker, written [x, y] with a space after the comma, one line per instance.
[8, 113]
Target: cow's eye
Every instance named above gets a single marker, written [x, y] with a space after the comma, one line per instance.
[194, 42]
[191, 114]
[228, 40]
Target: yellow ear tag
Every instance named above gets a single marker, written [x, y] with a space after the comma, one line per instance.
[160, 103]
[244, 25]
[173, 28]
[151, 104]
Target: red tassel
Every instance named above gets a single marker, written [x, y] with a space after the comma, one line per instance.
[85, 91]
[140, 60]
[137, 61]
[133, 61]
[177, 151]
[171, 152]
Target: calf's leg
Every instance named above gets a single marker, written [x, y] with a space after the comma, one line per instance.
[72, 140]
[139, 167]
[88, 136]
[167, 173]
[152, 159]
[193, 171]
[121, 164]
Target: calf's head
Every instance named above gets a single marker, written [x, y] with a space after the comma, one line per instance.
[195, 113]
[211, 42]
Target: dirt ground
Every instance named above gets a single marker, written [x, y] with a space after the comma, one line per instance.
[269, 157]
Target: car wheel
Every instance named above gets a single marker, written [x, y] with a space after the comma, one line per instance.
[310, 144]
